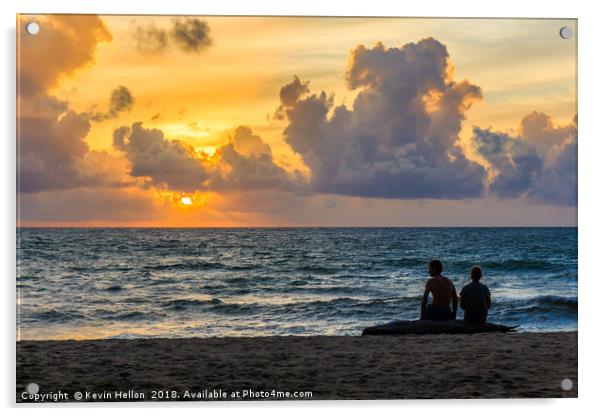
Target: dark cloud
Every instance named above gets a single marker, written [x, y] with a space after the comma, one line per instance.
[516, 163]
[51, 146]
[289, 95]
[165, 163]
[191, 34]
[558, 184]
[400, 138]
[150, 39]
[540, 163]
[52, 151]
[121, 100]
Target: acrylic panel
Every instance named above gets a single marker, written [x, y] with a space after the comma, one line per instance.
[295, 208]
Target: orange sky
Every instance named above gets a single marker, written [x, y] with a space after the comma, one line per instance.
[196, 80]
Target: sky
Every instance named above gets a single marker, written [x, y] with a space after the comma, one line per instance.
[192, 121]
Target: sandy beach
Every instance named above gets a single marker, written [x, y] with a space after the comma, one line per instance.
[372, 367]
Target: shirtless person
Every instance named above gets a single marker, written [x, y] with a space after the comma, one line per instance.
[443, 291]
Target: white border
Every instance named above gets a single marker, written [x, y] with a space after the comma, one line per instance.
[590, 147]
[468, 8]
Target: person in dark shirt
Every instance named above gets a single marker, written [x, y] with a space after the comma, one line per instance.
[443, 292]
[475, 298]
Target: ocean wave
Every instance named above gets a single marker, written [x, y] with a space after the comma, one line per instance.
[569, 301]
[403, 262]
[517, 265]
[340, 306]
[102, 269]
[348, 306]
[197, 265]
[539, 305]
[318, 269]
[131, 316]
[181, 304]
[123, 314]
[28, 277]
[54, 316]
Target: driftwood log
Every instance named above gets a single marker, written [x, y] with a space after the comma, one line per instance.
[434, 327]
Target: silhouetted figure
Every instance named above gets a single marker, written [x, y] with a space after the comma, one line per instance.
[475, 298]
[443, 291]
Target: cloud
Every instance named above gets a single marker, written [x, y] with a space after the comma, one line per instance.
[400, 138]
[516, 163]
[64, 44]
[150, 39]
[191, 34]
[244, 163]
[52, 151]
[121, 100]
[558, 183]
[539, 130]
[289, 95]
[540, 163]
[166, 163]
[248, 165]
[111, 167]
[50, 147]
[246, 143]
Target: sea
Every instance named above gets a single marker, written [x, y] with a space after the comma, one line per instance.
[88, 283]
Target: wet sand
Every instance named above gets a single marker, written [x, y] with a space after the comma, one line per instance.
[490, 365]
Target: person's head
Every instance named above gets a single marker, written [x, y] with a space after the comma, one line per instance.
[476, 273]
[435, 267]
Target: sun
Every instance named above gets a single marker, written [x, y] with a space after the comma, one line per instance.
[186, 201]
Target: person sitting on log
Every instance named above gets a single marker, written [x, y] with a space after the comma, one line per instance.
[475, 298]
[444, 293]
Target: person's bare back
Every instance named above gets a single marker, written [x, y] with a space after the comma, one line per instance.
[444, 293]
[442, 289]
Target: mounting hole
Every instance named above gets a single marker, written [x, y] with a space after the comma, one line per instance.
[566, 384]
[566, 32]
[32, 388]
[32, 28]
